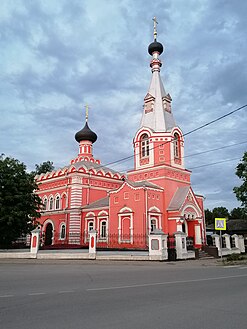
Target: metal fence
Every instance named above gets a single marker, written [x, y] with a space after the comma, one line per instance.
[109, 241]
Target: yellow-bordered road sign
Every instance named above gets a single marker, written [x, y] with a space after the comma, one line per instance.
[220, 224]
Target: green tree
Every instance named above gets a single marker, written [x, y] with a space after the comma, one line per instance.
[220, 212]
[43, 168]
[237, 213]
[208, 217]
[19, 205]
[241, 191]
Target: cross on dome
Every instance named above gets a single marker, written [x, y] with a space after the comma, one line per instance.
[155, 28]
[87, 108]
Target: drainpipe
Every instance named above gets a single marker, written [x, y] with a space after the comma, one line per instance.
[88, 189]
[146, 212]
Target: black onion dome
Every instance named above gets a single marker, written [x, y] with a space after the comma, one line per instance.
[155, 46]
[85, 134]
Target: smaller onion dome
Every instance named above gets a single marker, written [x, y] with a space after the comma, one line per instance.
[85, 134]
[155, 46]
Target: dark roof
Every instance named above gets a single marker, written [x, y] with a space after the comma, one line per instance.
[155, 46]
[232, 225]
[85, 134]
[104, 202]
[236, 224]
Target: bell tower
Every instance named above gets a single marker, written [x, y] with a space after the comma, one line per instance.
[158, 141]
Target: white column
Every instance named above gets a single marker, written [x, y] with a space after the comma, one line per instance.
[228, 242]
[75, 215]
[181, 247]
[92, 244]
[236, 239]
[241, 244]
[198, 235]
[35, 240]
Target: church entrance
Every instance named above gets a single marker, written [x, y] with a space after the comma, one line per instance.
[48, 234]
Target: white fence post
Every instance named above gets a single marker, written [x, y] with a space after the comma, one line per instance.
[35, 240]
[158, 245]
[181, 246]
[92, 244]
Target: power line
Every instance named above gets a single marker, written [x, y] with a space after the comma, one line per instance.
[189, 132]
[203, 152]
[215, 149]
[215, 120]
[214, 163]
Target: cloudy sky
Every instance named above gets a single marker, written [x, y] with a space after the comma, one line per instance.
[58, 55]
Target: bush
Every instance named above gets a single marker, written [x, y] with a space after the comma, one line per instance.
[234, 257]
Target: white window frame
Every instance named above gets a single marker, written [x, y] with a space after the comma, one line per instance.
[61, 231]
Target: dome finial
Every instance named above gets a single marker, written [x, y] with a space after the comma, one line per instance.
[87, 108]
[86, 134]
[155, 28]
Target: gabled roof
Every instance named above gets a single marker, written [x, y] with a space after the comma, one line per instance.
[143, 183]
[104, 202]
[92, 165]
[178, 198]
[136, 185]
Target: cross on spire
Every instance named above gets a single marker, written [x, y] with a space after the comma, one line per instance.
[87, 108]
[155, 28]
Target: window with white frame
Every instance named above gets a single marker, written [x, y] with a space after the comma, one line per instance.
[176, 146]
[144, 146]
[103, 227]
[62, 232]
[57, 202]
[153, 224]
[90, 226]
[51, 203]
[45, 204]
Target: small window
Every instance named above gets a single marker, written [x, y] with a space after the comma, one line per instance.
[45, 204]
[144, 146]
[116, 199]
[57, 202]
[153, 224]
[103, 229]
[62, 231]
[90, 226]
[137, 197]
[51, 203]
[126, 195]
[176, 146]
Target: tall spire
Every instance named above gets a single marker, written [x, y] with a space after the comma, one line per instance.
[157, 103]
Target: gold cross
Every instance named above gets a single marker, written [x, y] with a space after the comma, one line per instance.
[155, 28]
[87, 108]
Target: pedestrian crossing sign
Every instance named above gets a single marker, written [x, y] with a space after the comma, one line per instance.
[220, 224]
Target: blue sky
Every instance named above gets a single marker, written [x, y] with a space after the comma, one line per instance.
[57, 56]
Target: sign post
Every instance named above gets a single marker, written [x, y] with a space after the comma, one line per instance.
[220, 225]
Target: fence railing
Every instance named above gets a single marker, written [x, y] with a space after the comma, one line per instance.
[108, 241]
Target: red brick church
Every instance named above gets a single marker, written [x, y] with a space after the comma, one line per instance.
[125, 208]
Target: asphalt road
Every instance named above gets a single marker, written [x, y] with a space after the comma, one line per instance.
[122, 295]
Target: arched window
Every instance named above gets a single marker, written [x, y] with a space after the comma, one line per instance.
[153, 224]
[103, 229]
[62, 231]
[90, 226]
[57, 202]
[51, 203]
[45, 204]
[144, 146]
[176, 144]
